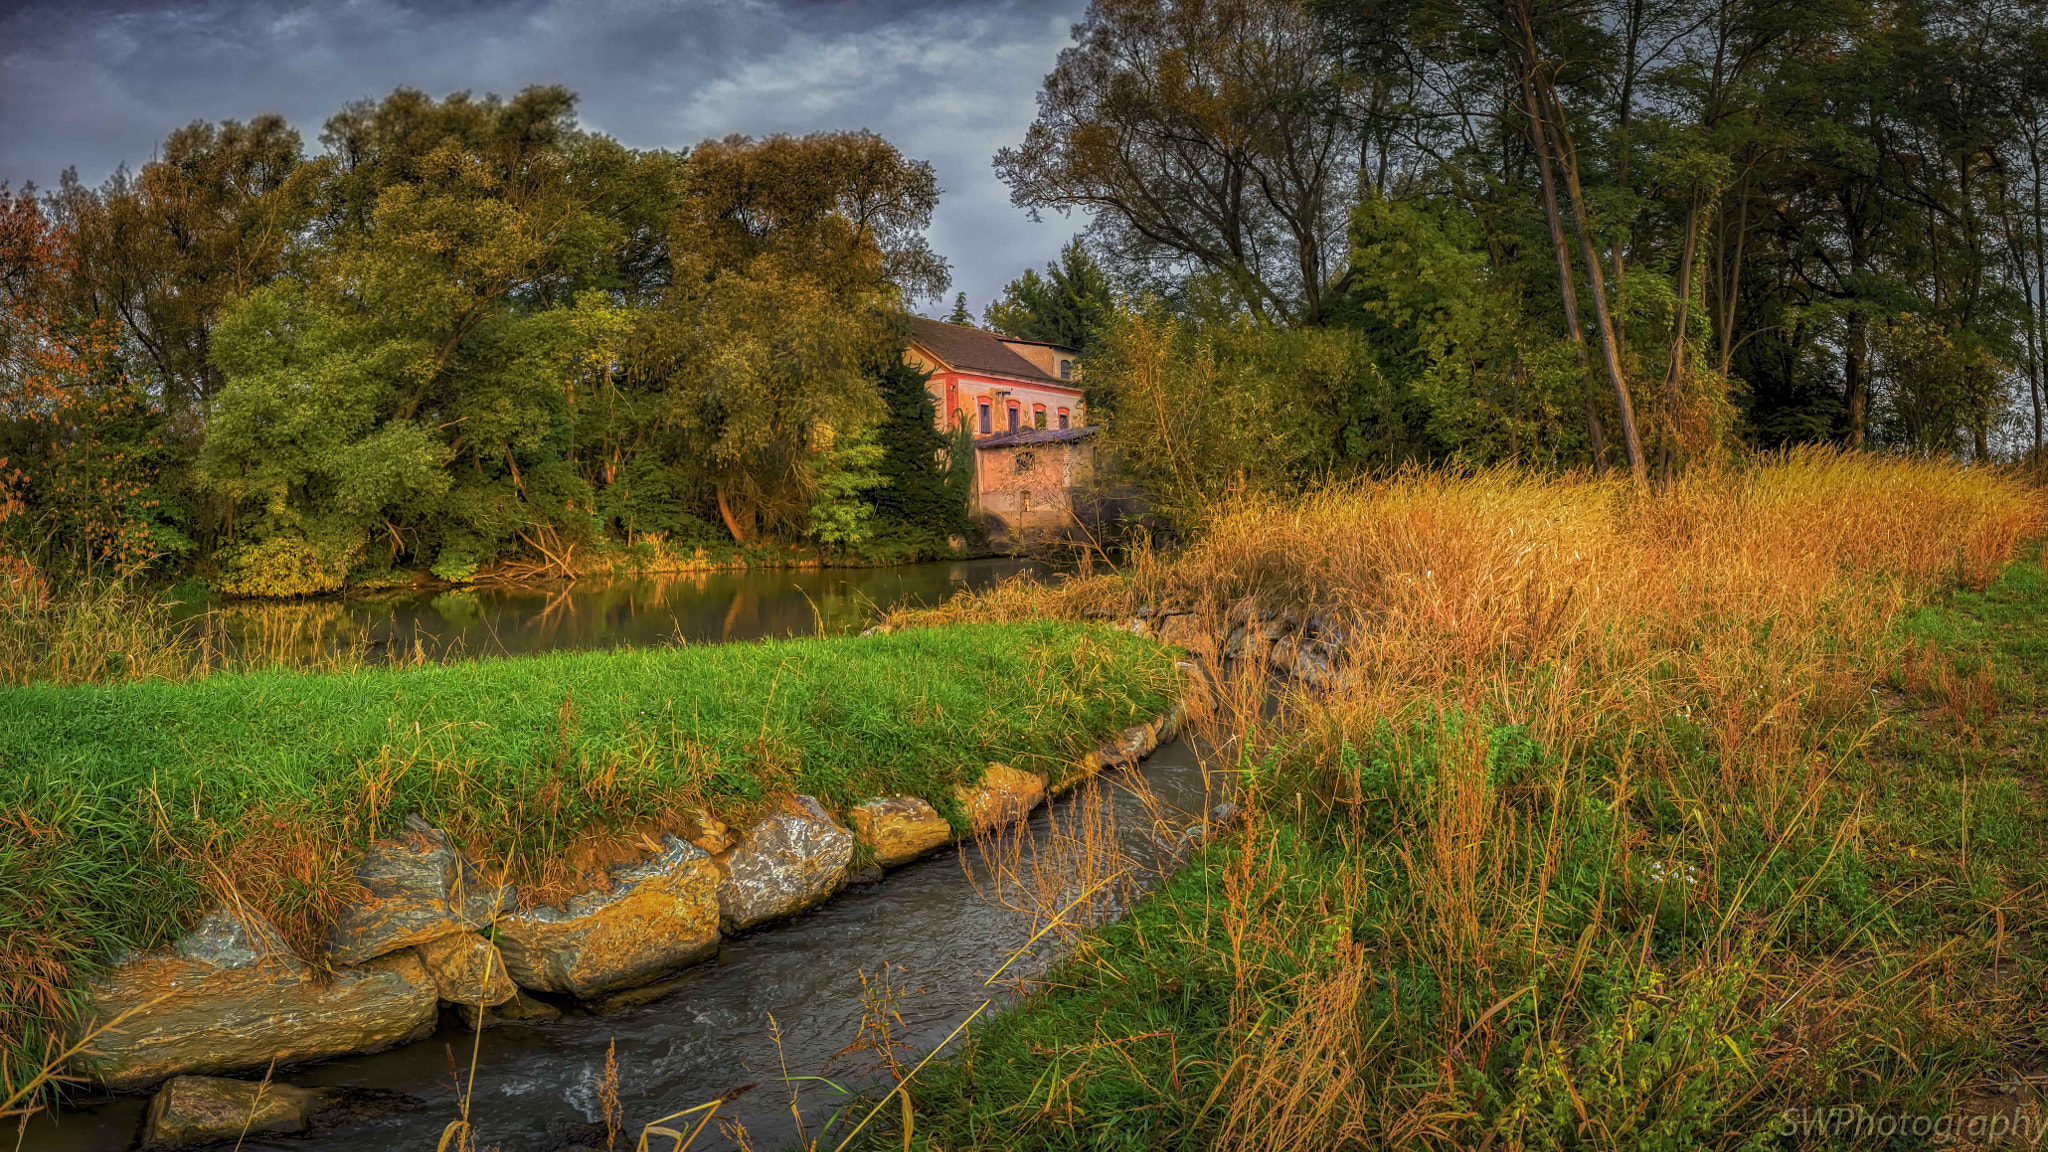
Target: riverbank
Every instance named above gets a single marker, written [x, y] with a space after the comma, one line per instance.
[654, 557]
[1674, 819]
[110, 634]
[147, 804]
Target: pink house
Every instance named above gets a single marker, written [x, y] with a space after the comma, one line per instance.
[1023, 403]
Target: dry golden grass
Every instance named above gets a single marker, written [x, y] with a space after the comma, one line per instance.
[1694, 669]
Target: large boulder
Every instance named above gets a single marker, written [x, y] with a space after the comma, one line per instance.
[192, 1111]
[467, 969]
[415, 887]
[648, 919]
[1004, 796]
[1184, 630]
[899, 829]
[230, 996]
[791, 859]
[1127, 747]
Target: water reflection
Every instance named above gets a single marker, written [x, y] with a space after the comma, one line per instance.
[694, 607]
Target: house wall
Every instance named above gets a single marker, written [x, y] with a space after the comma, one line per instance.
[1028, 487]
[964, 393]
[1047, 358]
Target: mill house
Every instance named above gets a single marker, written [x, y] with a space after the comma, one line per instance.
[1022, 403]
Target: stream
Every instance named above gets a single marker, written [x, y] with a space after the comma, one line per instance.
[537, 1086]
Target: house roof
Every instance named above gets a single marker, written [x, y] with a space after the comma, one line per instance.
[1039, 343]
[972, 350]
[1028, 436]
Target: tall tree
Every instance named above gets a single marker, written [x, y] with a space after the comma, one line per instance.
[1069, 305]
[1199, 134]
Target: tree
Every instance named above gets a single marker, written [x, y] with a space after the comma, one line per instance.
[84, 451]
[162, 254]
[414, 385]
[1200, 135]
[960, 315]
[918, 491]
[1069, 305]
[798, 252]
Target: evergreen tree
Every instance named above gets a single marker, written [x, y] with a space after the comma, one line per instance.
[918, 492]
[1068, 305]
[961, 315]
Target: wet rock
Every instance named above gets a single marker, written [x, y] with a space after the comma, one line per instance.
[196, 1111]
[467, 969]
[899, 828]
[1089, 766]
[793, 858]
[1183, 630]
[710, 833]
[1253, 635]
[1315, 663]
[1236, 643]
[193, 1111]
[415, 887]
[866, 876]
[230, 996]
[1132, 744]
[1168, 727]
[520, 1009]
[1004, 796]
[651, 918]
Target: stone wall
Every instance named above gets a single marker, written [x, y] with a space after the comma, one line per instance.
[430, 928]
[1031, 487]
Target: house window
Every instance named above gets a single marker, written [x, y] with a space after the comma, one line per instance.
[1066, 369]
[1013, 417]
[985, 429]
[1063, 417]
[1038, 415]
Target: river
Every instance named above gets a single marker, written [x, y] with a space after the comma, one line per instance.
[784, 996]
[507, 620]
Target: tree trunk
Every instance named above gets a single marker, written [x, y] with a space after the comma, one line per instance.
[725, 513]
[2040, 316]
[1567, 285]
[1856, 353]
[1596, 286]
[1853, 370]
[1731, 285]
[1674, 373]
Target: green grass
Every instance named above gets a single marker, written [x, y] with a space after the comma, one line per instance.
[125, 810]
[1877, 936]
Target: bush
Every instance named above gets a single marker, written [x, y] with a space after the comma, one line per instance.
[282, 566]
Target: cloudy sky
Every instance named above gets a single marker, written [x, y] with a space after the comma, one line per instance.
[92, 84]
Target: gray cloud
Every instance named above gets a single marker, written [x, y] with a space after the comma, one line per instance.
[94, 85]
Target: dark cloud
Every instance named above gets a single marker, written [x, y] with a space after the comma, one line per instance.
[93, 85]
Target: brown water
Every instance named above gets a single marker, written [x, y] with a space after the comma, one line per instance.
[785, 996]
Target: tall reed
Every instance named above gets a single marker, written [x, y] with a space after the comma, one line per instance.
[1581, 846]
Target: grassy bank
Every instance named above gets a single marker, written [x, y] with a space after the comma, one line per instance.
[1643, 820]
[125, 810]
